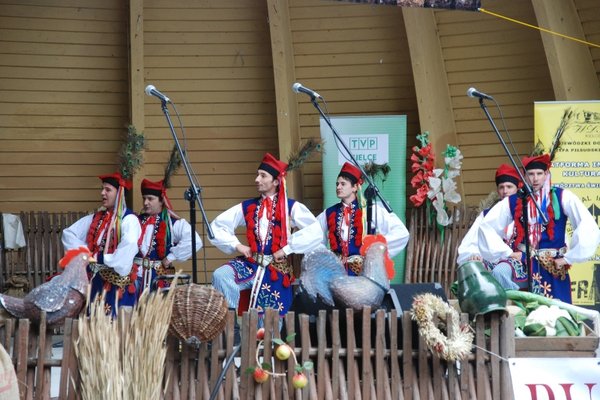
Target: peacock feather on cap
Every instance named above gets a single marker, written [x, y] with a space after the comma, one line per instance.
[562, 127]
[311, 147]
[378, 170]
[539, 149]
[172, 166]
[131, 155]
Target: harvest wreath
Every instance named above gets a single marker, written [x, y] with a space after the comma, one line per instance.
[459, 343]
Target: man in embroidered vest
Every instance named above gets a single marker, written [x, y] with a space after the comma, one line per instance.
[111, 234]
[550, 256]
[344, 222]
[263, 266]
[509, 272]
[165, 237]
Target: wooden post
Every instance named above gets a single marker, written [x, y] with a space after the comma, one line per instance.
[136, 84]
[495, 335]
[21, 348]
[321, 344]
[65, 368]
[507, 350]
[396, 377]
[431, 82]
[309, 391]
[407, 355]
[353, 385]
[290, 329]
[41, 384]
[283, 73]
[380, 367]
[367, 369]
[75, 380]
[570, 63]
[336, 344]
[231, 378]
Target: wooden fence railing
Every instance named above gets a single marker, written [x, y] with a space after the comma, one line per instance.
[38, 260]
[355, 356]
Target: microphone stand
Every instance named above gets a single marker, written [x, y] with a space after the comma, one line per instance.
[526, 192]
[192, 195]
[372, 190]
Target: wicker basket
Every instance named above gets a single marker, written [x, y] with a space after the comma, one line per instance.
[199, 313]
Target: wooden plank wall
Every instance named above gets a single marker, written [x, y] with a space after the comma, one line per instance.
[63, 89]
[505, 60]
[589, 10]
[213, 59]
[356, 56]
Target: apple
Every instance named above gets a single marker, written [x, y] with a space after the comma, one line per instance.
[260, 334]
[283, 352]
[299, 380]
[260, 375]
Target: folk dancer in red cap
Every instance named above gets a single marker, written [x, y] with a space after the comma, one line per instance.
[112, 235]
[550, 255]
[263, 265]
[509, 272]
[165, 237]
[344, 223]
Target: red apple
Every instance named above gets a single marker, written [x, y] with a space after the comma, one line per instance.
[299, 380]
[260, 375]
[260, 334]
[283, 352]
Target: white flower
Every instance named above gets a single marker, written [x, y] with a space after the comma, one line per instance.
[449, 188]
[442, 188]
[453, 173]
[441, 214]
[435, 183]
[454, 162]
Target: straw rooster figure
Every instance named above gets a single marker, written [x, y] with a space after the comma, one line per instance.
[324, 275]
[62, 297]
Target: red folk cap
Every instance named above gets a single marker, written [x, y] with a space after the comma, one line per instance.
[116, 180]
[507, 173]
[153, 188]
[351, 172]
[537, 162]
[272, 165]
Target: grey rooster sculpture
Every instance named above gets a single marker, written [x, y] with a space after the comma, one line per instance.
[323, 275]
[61, 297]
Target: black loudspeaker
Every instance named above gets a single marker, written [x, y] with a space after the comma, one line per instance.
[302, 303]
[401, 296]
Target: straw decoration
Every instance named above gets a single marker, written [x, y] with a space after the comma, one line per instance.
[124, 358]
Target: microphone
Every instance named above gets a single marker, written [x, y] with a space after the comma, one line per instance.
[151, 91]
[297, 88]
[472, 92]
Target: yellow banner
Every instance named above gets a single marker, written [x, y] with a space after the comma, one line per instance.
[575, 166]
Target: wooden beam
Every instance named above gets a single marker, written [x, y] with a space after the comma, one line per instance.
[283, 73]
[431, 83]
[570, 62]
[136, 85]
